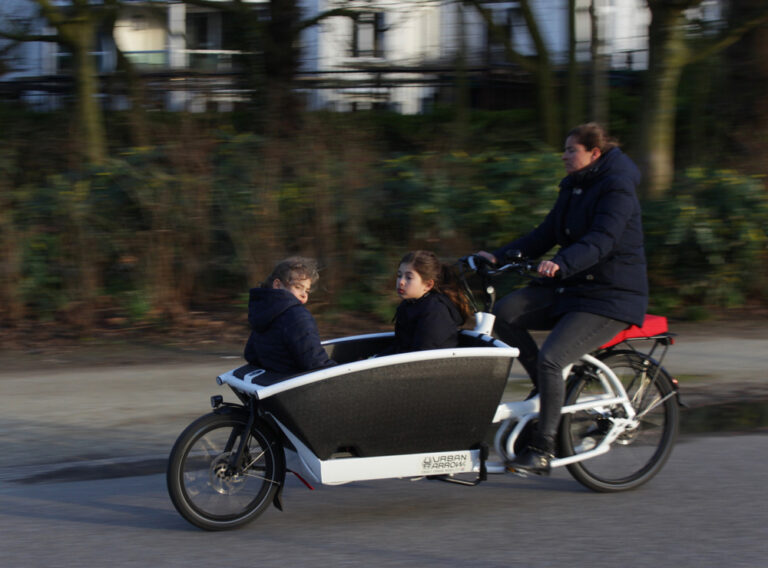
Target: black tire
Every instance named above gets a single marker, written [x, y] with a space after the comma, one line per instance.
[638, 454]
[203, 487]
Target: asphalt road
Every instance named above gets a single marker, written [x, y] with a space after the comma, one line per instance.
[706, 508]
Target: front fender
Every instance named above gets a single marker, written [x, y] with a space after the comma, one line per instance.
[271, 433]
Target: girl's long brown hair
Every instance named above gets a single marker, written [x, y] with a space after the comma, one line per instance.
[429, 267]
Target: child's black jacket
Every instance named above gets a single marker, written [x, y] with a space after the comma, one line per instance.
[284, 336]
[431, 322]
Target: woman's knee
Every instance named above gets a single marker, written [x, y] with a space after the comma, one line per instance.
[554, 357]
[512, 309]
[549, 362]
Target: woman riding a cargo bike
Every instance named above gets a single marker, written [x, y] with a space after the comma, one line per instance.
[601, 408]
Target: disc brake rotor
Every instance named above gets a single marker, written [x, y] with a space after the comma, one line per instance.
[223, 478]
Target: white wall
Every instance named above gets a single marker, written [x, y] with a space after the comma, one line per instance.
[139, 29]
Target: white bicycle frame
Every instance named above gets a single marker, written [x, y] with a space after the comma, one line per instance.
[521, 413]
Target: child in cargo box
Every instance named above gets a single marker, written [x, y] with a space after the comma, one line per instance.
[433, 306]
[284, 336]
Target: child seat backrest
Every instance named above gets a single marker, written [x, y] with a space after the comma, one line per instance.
[359, 348]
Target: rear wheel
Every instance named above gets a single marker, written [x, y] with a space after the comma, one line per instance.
[638, 453]
[211, 492]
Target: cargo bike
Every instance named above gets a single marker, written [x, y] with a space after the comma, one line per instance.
[427, 414]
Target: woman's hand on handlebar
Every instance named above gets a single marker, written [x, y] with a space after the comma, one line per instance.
[487, 256]
[487, 263]
[547, 268]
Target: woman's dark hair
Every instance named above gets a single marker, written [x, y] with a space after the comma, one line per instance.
[592, 135]
[293, 268]
[429, 267]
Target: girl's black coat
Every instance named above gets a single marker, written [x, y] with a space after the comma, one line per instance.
[597, 223]
[284, 336]
[431, 322]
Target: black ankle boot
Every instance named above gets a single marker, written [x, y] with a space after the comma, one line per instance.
[532, 460]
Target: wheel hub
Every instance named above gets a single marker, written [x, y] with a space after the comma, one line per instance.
[223, 478]
[630, 433]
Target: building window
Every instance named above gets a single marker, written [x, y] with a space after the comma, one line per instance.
[197, 31]
[368, 35]
[509, 24]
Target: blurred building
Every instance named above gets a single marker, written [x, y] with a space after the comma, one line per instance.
[400, 54]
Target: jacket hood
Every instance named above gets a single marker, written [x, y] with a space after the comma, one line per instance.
[425, 303]
[455, 313]
[266, 304]
[613, 163]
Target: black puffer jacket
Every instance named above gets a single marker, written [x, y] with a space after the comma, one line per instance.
[597, 222]
[431, 322]
[284, 336]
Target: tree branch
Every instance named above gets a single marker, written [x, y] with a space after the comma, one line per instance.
[497, 31]
[725, 41]
[533, 28]
[349, 13]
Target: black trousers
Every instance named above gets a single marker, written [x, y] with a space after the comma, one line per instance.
[573, 334]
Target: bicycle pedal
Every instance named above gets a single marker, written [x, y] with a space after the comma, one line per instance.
[518, 472]
[526, 473]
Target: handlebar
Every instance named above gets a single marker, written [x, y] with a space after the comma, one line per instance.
[485, 267]
[486, 270]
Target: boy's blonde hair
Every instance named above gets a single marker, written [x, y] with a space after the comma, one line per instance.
[291, 269]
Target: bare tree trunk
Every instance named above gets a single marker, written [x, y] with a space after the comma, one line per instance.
[545, 79]
[89, 116]
[541, 68]
[599, 105]
[281, 59]
[747, 70]
[668, 54]
[574, 110]
[76, 29]
[11, 304]
[82, 245]
[461, 84]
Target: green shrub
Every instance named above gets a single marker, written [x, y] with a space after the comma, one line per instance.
[160, 229]
[707, 242]
[481, 200]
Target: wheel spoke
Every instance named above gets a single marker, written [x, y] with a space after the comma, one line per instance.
[254, 460]
[658, 401]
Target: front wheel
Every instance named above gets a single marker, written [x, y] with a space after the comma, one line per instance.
[638, 453]
[209, 490]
